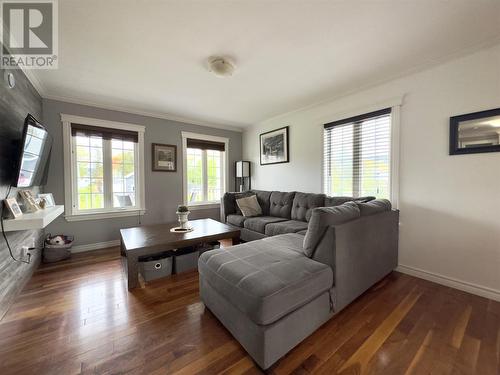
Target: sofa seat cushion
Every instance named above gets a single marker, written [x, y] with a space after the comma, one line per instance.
[289, 226]
[236, 220]
[266, 279]
[258, 224]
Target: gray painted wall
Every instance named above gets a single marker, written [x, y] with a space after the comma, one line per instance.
[15, 104]
[163, 189]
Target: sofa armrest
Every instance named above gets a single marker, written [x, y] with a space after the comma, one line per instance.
[361, 252]
[227, 205]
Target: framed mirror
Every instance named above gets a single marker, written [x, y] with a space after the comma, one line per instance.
[475, 132]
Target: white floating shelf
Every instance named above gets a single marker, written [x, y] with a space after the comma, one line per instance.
[35, 220]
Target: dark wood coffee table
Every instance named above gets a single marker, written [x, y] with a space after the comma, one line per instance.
[153, 239]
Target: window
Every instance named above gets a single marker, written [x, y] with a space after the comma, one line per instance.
[357, 156]
[104, 160]
[205, 168]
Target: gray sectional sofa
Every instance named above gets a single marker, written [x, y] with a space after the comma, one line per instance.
[308, 262]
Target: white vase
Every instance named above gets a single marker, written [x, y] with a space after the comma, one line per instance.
[183, 219]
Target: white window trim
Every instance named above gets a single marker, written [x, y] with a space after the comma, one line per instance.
[225, 168]
[395, 105]
[70, 212]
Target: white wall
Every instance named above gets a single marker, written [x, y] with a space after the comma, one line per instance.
[450, 205]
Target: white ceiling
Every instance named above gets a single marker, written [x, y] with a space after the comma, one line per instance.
[150, 56]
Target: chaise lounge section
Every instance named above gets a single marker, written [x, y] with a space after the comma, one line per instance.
[273, 292]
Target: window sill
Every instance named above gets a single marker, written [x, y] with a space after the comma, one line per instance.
[203, 206]
[103, 215]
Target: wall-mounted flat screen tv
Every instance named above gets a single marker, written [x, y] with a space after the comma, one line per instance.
[33, 155]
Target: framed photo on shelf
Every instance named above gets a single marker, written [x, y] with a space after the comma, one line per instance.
[274, 147]
[49, 199]
[29, 202]
[164, 157]
[13, 207]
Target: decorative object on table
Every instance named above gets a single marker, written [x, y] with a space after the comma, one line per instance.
[164, 157]
[249, 206]
[274, 147]
[29, 201]
[242, 176]
[475, 132]
[13, 207]
[48, 198]
[57, 248]
[182, 216]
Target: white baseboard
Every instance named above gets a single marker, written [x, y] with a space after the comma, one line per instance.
[451, 282]
[94, 246]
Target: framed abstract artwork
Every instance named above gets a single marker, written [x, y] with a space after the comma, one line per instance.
[274, 148]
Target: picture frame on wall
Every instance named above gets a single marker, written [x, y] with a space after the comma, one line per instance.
[274, 147]
[13, 207]
[474, 133]
[164, 157]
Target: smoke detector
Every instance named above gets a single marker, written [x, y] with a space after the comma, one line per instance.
[221, 66]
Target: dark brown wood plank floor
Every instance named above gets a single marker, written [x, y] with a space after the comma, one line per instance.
[78, 317]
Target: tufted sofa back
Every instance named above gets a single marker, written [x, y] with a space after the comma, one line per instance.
[281, 204]
[263, 199]
[303, 203]
[287, 205]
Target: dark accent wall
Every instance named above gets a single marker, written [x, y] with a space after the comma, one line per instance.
[15, 104]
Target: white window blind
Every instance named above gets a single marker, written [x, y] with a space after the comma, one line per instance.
[357, 156]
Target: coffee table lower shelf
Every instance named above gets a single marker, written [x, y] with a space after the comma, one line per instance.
[151, 239]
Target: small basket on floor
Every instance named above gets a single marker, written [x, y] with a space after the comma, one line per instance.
[57, 252]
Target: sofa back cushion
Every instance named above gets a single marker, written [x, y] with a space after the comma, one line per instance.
[322, 218]
[281, 204]
[337, 201]
[303, 203]
[374, 207]
[263, 199]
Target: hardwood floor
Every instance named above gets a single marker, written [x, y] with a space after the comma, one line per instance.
[78, 317]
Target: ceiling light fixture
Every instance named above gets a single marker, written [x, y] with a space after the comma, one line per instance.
[221, 66]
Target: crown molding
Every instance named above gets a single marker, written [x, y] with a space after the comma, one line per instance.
[29, 73]
[37, 84]
[430, 64]
[489, 43]
[153, 114]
